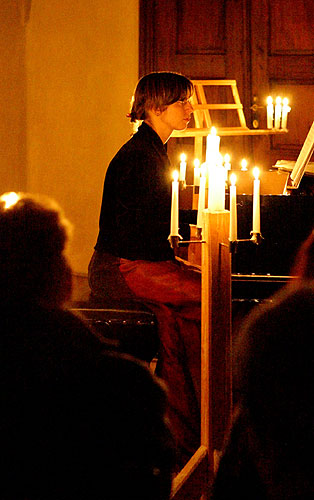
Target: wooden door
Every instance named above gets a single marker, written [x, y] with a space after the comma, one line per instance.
[283, 65]
[267, 46]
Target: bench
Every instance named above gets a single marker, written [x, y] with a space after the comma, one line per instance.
[129, 324]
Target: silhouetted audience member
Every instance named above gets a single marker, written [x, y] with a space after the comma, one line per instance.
[33, 235]
[77, 420]
[304, 262]
[268, 454]
[268, 451]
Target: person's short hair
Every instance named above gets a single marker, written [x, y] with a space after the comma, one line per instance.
[33, 235]
[158, 90]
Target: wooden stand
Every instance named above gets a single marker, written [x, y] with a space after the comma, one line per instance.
[203, 120]
[196, 477]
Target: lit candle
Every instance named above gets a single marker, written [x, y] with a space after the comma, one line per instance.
[174, 223]
[197, 172]
[201, 197]
[278, 109]
[182, 167]
[285, 111]
[233, 209]
[216, 188]
[212, 146]
[270, 112]
[244, 165]
[256, 202]
[227, 162]
[227, 165]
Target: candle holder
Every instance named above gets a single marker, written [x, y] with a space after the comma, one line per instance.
[198, 233]
[256, 239]
[174, 240]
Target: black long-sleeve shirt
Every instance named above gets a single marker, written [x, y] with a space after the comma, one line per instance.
[135, 213]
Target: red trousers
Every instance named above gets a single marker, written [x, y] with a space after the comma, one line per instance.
[173, 291]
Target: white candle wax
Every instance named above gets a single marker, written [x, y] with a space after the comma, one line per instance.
[197, 172]
[285, 111]
[270, 112]
[212, 146]
[216, 189]
[256, 202]
[278, 109]
[201, 199]
[174, 223]
[233, 230]
[182, 167]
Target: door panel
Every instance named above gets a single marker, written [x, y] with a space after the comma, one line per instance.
[291, 27]
[206, 39]
[267, 46]
[282, 38]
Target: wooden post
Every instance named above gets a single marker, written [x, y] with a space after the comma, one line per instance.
[195, 479]
[216, 332]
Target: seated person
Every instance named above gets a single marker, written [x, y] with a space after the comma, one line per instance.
[303, 267]
[133, 257]
[78, 421]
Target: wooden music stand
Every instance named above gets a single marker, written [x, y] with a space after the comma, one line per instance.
[203, 119]
[201, 106]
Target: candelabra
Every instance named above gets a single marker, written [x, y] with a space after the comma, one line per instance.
[176, 241]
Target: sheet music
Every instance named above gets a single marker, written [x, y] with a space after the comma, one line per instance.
[303, 158]
[288, 166]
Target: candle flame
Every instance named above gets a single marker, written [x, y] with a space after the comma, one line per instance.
[256, 172]
[9, 199]
[269, 100]
[227, 158]
[285, 101]
[233, 179]
[213, 131]
[196, 163]
[243, 164]
[183, 157]
[175, 175]
[278, 100]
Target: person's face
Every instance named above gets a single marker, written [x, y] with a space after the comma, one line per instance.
[176, 116]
